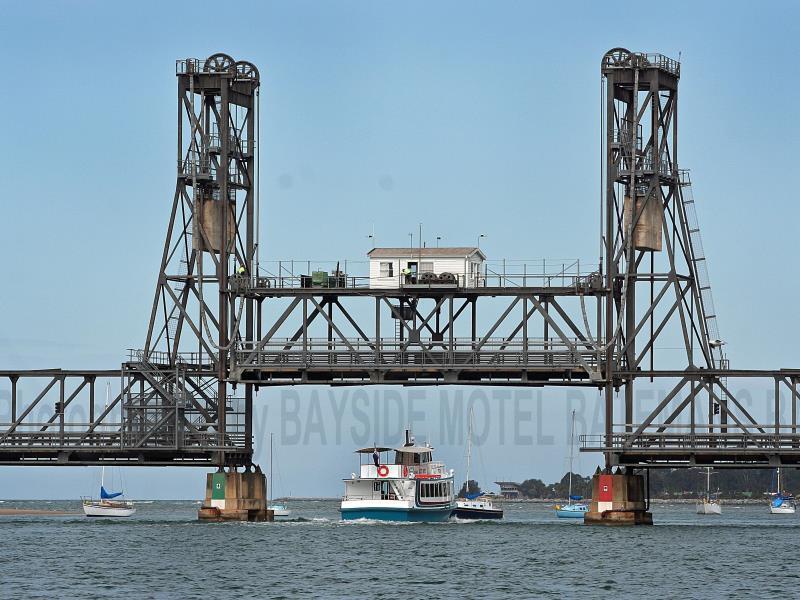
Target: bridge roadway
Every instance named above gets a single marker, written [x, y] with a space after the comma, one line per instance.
[65, 423]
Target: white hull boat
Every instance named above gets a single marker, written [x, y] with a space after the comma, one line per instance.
[784, 509]
[280, 511]
[710, 503]
[411, 488]
[782, 503]
[475, 505]
[92, 508]
[574, 508]
[107, 506]
[709, 507]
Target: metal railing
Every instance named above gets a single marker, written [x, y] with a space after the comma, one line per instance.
[734, 439]
[393, 353]
[356, 275]
[643, 60]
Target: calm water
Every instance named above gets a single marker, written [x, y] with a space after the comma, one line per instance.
[163, 552]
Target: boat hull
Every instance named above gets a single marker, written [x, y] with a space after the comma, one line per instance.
[782, 510]
[478, 513]
[576, 512]
[280, 512]
[93, 510]
[709, 508]
[396, 514]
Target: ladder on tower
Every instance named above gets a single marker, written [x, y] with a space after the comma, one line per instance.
[700, 267]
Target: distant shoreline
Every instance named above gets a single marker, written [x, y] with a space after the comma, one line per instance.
[13, 512]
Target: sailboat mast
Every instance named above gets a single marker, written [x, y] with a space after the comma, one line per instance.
[103, 468]
[571, 450]
[469, 449]
[269, 488]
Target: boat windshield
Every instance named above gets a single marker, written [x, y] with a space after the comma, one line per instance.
[410, 458]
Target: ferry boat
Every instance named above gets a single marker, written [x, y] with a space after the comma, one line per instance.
[410, 487]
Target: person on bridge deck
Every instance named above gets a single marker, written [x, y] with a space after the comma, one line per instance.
[376, 458]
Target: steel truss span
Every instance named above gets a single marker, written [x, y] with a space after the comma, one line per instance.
[155, 418]
[726, 435]
[413, 336]
[220, 326]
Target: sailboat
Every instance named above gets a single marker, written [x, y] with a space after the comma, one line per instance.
[475, 505]
[280, 510]
[782, 503]
[107, 506]
[574, 509]
[709, 504]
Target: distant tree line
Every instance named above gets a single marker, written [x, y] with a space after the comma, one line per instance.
[667, 483]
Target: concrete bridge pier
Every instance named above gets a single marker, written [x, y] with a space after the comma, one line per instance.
[235, 496]
[618, 499]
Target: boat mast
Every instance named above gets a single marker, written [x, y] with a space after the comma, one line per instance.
[708, 482]
[269, 488]
[469, 449]
[103, 468]
[571, 445]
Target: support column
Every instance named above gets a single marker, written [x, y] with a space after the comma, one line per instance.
[234, 496]
[618, 499]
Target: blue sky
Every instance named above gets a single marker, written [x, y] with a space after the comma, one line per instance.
[484, 118]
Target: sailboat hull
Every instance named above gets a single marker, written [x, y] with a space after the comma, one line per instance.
[280, 511]
[782, 510]
[101, 510]
[478, 513]
[709, 508]
[574, 511]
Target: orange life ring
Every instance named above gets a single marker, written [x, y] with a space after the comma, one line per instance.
[383, 471]
[405, 471]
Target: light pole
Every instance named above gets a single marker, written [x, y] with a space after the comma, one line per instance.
[438, 238]
[483, 235]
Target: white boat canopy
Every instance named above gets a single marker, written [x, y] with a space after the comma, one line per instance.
[414, 449]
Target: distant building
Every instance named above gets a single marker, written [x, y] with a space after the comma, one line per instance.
[509, 489]
[398, 267]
